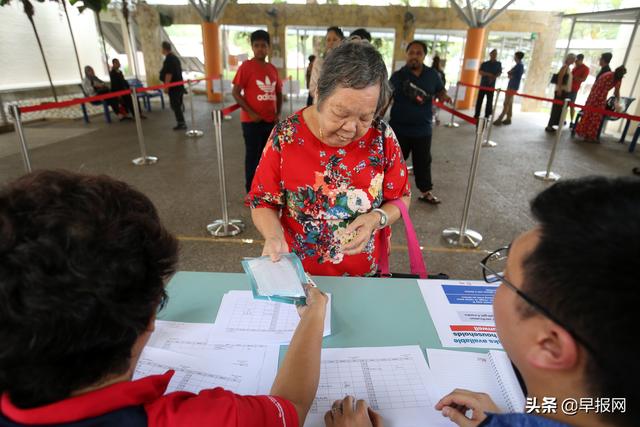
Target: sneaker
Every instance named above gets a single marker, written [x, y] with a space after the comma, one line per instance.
[429, 198]
[180, 126]
[549, 129]
[497, 123]
[506, 122]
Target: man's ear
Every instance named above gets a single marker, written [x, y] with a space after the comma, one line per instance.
[554, 348]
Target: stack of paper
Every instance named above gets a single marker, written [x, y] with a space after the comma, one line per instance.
[238, 352]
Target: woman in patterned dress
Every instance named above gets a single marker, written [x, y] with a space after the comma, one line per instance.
[327, 172]
[590, 122]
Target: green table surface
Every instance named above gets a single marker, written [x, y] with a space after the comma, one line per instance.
[365, 312]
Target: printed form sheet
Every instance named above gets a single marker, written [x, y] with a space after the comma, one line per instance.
[462, 312]
[244, 318]
[196, 350]
[395, 381]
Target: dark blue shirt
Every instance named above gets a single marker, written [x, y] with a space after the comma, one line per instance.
[519, 420]
[409, 118]
[493, 67]
[516, 76]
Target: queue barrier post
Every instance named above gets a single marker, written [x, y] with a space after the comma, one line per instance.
[224, 116]
[463, 236]
[193, 132]
[144, 159]
[488, 142]
[290, 95]
[22, 142]
[452, 123]
[222, 227]
[548, 175]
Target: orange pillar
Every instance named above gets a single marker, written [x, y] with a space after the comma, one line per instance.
[212, 56]
[471, 65]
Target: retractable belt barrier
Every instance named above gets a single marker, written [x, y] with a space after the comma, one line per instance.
[144, 159]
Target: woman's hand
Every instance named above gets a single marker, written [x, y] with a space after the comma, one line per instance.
[275, 247]
[344, 413]
[363, 226]
[459, 401]
[316, 300]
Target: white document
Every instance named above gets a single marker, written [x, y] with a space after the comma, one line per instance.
[489, 373]
[242, 318]
[471, 64]
[462, 312]
[191, 373]
[395, 381]
[275, 278]
[259, 361]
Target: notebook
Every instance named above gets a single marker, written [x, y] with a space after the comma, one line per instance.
[491, 373]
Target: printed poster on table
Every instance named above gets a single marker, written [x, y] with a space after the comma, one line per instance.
[462, 312]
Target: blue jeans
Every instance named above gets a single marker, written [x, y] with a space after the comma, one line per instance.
[255, 138]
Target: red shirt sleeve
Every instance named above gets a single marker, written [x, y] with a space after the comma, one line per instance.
[396, 179]
[219, 407]
[266, 191]
[240, 77]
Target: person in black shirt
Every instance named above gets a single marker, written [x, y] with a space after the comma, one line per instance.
[489, 70]
[92, 85]
[414, 85]
[118, 82]
[172, 72]
[605, 59]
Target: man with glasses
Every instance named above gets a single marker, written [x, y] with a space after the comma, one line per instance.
[566, 310]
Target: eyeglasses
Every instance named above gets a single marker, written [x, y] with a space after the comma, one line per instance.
[493, 266]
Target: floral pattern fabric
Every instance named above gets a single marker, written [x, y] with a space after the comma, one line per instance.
[320, 190]
[589, 125]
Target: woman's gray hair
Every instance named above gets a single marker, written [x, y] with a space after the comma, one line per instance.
[354, 65]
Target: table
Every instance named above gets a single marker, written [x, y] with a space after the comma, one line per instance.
[366, 312]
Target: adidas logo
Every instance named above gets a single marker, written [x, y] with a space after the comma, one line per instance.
[268, 87]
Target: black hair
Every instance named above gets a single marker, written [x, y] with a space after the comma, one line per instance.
[83, 261]
[580, 57]
[166, 46]
[493, 50]
[312, 58]
[420, 43]
[519, 55]
[584, 270]
[362, 33]
[619, 73]
[606, 57]
[336, 30]
[260, 35]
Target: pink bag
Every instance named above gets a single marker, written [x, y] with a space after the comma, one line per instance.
[418, 267]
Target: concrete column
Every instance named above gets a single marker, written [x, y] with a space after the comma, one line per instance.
[149, 29]
[278, 35]
[212, 56]
[404, 35]
[538, 68]
[471, 64]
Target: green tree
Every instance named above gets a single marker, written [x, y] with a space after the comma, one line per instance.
[29, 11]
[96, 6]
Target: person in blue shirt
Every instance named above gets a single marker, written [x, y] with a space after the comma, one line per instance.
[489, 71]
[566, 307]
[414, 86]
[515, 77]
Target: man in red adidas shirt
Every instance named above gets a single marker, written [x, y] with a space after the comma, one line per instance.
[258, 90]
[83, 262]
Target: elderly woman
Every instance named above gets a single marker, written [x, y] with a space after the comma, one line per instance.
[92, 85]
[328, 171]
[332, 39]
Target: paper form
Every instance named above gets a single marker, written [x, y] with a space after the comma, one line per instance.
[276, 278]
[480, 372]
[462, 312]
[197, 339]
[395, 381]
[244, 318]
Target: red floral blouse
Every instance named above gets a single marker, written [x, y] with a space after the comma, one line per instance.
[321, 190]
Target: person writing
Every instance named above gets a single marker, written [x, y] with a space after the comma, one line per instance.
[75, 318]
[258, 90]
[328, 171]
